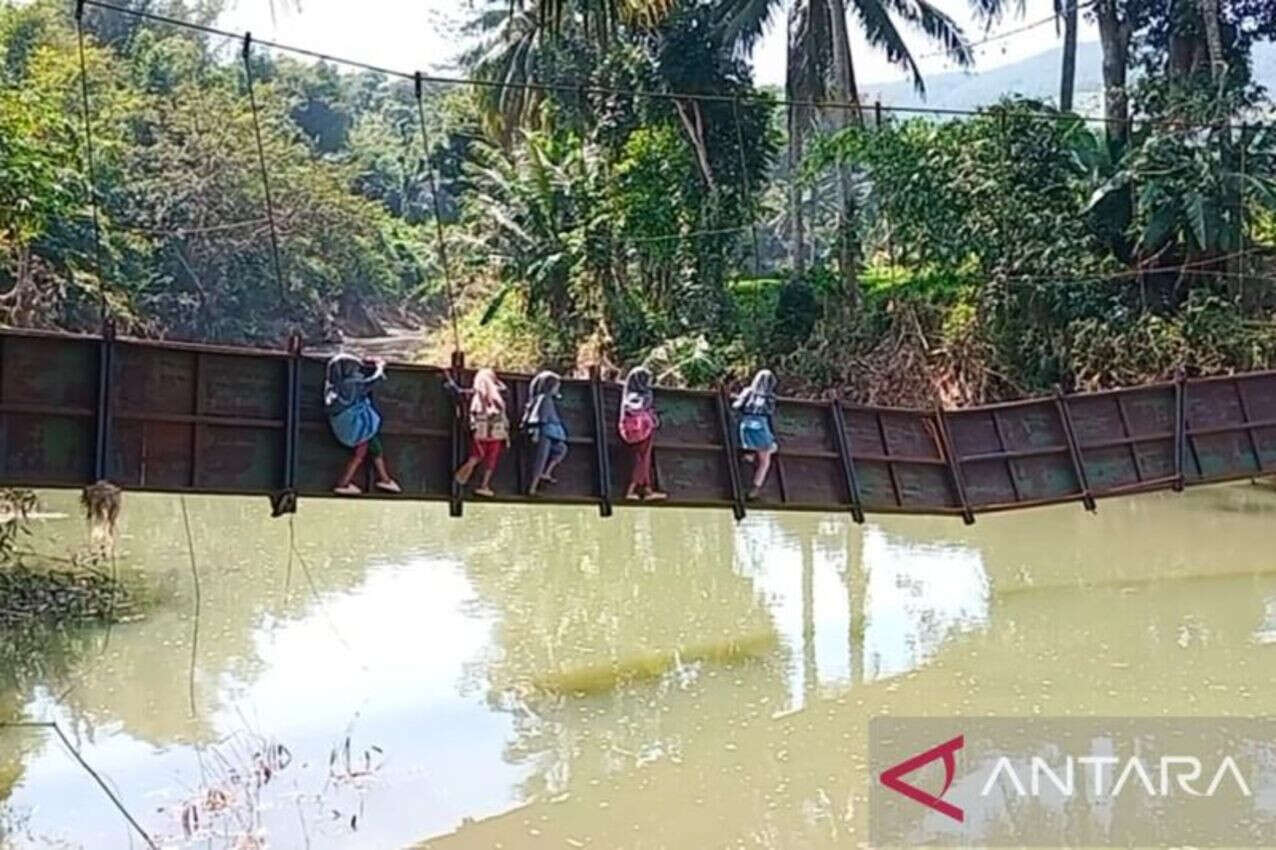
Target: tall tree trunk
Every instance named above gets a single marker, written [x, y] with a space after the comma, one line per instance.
[844, 92]
[797, 117]
[1114, 38]
[1068, 77]
[1214, 37]
[797, 143]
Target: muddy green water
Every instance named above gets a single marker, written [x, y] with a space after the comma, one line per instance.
[427, 643]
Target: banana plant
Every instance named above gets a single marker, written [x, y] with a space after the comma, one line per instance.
[1193, 189]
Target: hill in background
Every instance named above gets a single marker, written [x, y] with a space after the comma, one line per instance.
[1036, 77]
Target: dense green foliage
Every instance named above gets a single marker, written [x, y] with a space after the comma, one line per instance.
[702, 225]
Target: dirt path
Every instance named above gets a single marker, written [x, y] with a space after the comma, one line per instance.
[398, 344]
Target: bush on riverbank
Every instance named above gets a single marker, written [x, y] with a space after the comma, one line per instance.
[35, 593]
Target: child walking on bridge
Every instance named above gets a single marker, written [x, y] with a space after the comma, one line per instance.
[355, 422]
[544, 425]
[756, 406]
[638, 424]
[489, 430]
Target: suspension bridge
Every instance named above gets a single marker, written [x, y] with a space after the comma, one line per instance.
[176, 417]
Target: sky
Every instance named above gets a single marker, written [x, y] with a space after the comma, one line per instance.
[422, 35]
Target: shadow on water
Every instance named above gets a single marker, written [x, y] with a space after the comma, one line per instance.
[663, 678]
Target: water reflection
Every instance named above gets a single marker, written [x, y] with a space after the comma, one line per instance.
[429, 641]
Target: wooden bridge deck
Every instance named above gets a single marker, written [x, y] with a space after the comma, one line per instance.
[174, 417]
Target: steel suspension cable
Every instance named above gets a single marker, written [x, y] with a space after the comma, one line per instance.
[438, 213]
[265, 174]
[90, 167]
[748, 194]
[602, 90]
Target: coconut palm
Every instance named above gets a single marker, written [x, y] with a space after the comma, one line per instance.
[820, 67]
[1066, 12]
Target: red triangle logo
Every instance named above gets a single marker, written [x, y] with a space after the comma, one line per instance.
[892, 777]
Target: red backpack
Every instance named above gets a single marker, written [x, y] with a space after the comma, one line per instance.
[637, 425]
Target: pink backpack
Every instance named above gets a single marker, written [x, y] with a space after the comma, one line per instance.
[637, 425]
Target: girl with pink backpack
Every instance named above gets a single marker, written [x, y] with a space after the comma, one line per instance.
[638, 424]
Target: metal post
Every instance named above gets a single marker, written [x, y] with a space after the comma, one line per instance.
[730, 454]
[602, 456]
[285, 501]
[954, 466]
[1074, 448]
[456, 503]
[106, 351]
[1180, 415]
[844, 455]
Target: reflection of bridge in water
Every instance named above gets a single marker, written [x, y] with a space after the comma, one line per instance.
[175, 417]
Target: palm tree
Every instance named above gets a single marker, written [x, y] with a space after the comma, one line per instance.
[1066, 10]
[820, 67]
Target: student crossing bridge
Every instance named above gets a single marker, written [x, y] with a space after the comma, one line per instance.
[185, 418]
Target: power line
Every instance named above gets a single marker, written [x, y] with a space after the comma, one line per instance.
[1004, 35]
[584, 88]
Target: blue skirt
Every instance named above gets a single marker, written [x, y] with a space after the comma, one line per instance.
[356, 424]
[755, 434]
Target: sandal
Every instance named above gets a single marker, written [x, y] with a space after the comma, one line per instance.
[655, 496]
[347, 490]
[389, 486]
[753, 493]
[549, 479]
[484, 491]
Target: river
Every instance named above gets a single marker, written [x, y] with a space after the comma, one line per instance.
[546, 678]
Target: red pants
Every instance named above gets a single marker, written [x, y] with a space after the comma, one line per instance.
[640, 478]
[487, 452]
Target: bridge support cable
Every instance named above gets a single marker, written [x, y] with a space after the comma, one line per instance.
[90, 170]
[84, 765]
[102, 408]
[265, 173]
[449, 291]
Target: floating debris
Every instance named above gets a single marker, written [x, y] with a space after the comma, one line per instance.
[58, 597]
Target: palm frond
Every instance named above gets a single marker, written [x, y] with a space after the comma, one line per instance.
[881, 33]
[742, 23]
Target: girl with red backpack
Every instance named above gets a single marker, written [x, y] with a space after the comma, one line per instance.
[638, 424]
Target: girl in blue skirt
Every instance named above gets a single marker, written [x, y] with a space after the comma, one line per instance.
[355, 421]
[756, 406]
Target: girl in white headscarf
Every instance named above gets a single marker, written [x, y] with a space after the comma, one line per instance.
[489, 430]
[756, 406]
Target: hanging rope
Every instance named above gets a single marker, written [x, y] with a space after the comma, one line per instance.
[748, 194]
[91, 173]
[438, 213]
[265, 175]
[190, 550]
[753, 228]
[97, 777]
